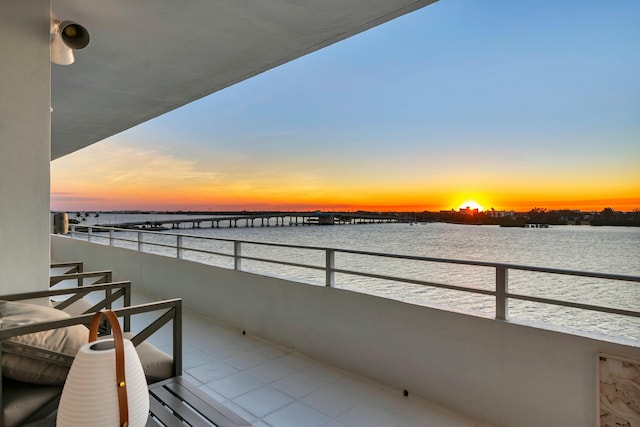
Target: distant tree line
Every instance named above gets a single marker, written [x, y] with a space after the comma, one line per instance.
[610, 217]
[607, 216]
[82, 217]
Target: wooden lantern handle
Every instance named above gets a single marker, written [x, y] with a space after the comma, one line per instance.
[118, 341]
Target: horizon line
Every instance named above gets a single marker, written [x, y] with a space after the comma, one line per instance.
[212, 211]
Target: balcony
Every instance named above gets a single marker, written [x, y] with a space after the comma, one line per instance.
[349, 357]
[271, 385]
[267, 384]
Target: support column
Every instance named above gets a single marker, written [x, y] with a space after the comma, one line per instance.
[25, 145]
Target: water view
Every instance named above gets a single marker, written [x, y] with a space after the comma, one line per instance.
[614, 250]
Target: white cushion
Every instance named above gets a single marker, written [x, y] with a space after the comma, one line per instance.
[62, 340]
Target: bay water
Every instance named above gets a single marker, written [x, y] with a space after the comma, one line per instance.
[614, 250]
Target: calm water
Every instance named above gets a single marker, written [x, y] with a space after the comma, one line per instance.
[613, 250]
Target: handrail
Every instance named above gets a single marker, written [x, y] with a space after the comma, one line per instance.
[73, 266]
[500, 290]
[104, 276]
[113, 291]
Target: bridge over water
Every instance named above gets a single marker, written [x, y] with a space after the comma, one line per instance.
[266, 219]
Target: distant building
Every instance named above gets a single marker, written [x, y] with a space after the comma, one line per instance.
[499, 214]
[468, 211]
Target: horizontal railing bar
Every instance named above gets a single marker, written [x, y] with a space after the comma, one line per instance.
[219, 239]
[169, 246]
[377, 276]
[595, 275]
[56, 292]
[85, 318]
[66, 264]
[204, 251]
[570, 304]
[84, 274]
[397, 256]
[418, 282]
[69, 266]
[104, 274]
[166, 245]
[495, 265]
[288, 263]
[106, 301]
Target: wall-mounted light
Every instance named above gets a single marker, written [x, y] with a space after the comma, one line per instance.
[65, 37]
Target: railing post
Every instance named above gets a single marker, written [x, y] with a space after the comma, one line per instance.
[89, 233]
[139, 241]
[73, 231]
[177, 339]
[237, 255]
[127, 303]
[179, 250]
[502, 287]
[330, 265]
[111, 237]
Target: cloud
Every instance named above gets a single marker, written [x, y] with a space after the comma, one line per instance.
[125, 163]
[58, 197]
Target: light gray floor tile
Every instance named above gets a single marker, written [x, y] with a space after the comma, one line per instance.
[235, 385]
[241, 412]
[217, 396]
[212, 371]
[272, 352]
[271, 386]
[296, 415]
[297, 385]
[296, 361]
[270, 372]
[367, 415]
[323, 372]
[222, 349]
[246, 360]
[195, 358]
[331, 401]
[263, 401]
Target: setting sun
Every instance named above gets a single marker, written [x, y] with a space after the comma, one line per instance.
[471, 204]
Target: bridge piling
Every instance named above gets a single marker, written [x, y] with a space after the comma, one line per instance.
[294, 219]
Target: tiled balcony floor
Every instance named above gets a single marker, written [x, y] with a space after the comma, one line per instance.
[273, 386]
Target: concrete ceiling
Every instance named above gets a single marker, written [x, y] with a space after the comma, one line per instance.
[148, 57]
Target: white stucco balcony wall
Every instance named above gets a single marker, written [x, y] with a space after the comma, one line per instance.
[499, 372]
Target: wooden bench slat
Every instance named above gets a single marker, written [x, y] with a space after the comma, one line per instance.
[163, 414]
[203, 403]
[181, 408]
[187, 401]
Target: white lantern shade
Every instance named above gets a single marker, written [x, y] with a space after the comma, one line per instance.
[90, 394]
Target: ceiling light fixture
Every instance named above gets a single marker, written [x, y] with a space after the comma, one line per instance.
[65, 37]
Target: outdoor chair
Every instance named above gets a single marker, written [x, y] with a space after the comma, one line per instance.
[38, 343]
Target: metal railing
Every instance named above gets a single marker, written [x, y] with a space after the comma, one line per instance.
[70, 267]
[98, 276]
[500, 291]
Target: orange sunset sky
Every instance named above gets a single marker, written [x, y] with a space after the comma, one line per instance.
[513, 105]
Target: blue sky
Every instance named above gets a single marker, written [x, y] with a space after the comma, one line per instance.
[512, 103]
